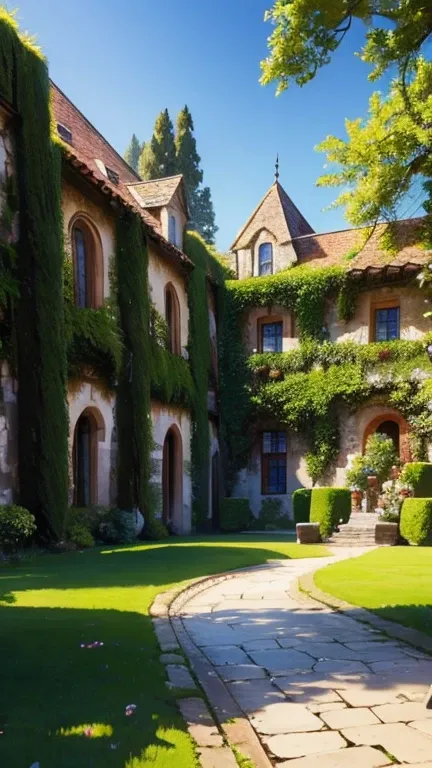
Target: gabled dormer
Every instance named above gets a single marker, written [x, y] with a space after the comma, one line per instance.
[264, 245]
[166, 200]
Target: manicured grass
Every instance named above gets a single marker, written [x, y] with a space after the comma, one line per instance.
[51, 689]
[395, 583]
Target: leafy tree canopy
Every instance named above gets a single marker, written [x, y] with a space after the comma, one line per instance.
[388, 155]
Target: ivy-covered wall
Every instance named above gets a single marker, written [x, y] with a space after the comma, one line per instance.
[38, 312]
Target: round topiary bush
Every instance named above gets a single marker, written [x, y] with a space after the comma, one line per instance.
[301, 500]
[328, 507]
[416, 521]
[418, 474]
[16, 526]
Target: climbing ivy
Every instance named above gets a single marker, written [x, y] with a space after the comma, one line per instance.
[208, 265]
[38, 312]
[133, 405]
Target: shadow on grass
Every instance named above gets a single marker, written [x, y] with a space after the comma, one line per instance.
[50, 684]
[157, 564]
[415, 616]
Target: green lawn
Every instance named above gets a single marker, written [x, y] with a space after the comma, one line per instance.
[51, 689]
[394, 582]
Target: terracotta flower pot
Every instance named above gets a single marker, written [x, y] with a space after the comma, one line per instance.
[372, 481]
[275, 374]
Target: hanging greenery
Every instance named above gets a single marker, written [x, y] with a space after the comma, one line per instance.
[207, 265]
[38, 312]
[133, 408]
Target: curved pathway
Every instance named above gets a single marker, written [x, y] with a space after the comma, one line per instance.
[320, 689]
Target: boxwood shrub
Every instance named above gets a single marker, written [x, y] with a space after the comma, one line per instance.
[328, 507]
[17, 525]
[416, 521]
[419, 475]
[235, 515]
[301, 499]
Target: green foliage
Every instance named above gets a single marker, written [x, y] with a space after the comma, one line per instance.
[16, 526]
[389, 153]
[204, 215]
[419, 476]
[416, 521]
[301, 500]
[158, 158]
[38, 312]
[235, 515]
[132, 153]
[328, 507]
[380, 456]
[188, 162]
[306, 34]
[156, 530]
[206, 265]
[385, 156]
[90, 517]
[302, 290]
[159, 331]
[356, 476]
[271, 516]
[133, 394]
[80, 535]
[171, 379]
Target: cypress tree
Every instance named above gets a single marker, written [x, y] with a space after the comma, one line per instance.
[158, 159]
[204, 215]
[188, 159]
[133, 152]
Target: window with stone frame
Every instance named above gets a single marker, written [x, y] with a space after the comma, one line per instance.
[274, 463]
[265, 259]
[84, 254]
[271, 336]
[385, 321]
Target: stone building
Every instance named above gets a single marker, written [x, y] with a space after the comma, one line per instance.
[390, 306]
[96, 185]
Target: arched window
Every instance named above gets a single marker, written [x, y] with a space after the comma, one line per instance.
[88, 430]
[172, 233]
[88, 265]
[172, 317]
[265, 259]
[172, 463]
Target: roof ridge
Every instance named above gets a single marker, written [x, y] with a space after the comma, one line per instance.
[355, 229]
[151, 181]
[93, 128]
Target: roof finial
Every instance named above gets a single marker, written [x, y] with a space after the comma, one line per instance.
[277, 167]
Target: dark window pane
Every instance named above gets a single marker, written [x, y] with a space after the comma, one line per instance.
[81, 268]
[387, 324]
[265, 259]
[274, 442]
[271, 337]
[277, 475]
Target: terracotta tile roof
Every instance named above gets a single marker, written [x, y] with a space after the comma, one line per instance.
[338, 248]
[277, 213]
[157, 192]
[89, 145]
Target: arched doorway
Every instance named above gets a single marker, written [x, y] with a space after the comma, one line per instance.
[88, 430]
[172, 462]
[393, 425]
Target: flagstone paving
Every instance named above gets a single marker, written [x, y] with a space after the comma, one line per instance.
[318, 687]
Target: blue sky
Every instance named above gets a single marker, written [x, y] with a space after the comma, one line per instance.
[121, 63]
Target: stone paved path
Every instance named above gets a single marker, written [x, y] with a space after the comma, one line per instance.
[320, 689]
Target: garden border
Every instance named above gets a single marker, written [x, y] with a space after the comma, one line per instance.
[414, 637]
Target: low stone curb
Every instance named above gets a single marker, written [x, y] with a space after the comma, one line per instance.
[234, 726]
[413, 637]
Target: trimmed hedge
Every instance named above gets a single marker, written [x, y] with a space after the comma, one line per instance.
[301, 500]
[328, 506]
[416, 521]
[419, 475]
[235, 514]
